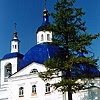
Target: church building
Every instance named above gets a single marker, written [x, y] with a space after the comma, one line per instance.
[19, 73]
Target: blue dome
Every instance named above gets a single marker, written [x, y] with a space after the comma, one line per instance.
[82, 69]
[39, 54]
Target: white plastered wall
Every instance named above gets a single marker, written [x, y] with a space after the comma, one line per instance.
[26, 79]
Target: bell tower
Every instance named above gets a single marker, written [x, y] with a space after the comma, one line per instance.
[15, 42]
[10, 61]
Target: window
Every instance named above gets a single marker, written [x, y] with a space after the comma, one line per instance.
[34, 71]
[47, 86]
[48, 37]
[21, 92]
[42, 37]
[34, 90]
[8, 70]
[15, 46]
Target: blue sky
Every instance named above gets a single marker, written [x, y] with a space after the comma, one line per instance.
[28, 16]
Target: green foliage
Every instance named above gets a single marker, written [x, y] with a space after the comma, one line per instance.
[63, 85]
[69, 32]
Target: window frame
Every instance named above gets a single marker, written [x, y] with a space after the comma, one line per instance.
[47, 88]
[42, 37]
[21, 91]
[34, 90]
[48, 37]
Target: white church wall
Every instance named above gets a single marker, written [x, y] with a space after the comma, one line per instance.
[3, 95]
[27, 81]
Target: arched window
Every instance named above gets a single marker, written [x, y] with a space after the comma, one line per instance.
[8, 70]
[42, 37]
[34, 71]
[48, 37]
[47, 88]
[34, 89]
[34, 92]
[21, 92]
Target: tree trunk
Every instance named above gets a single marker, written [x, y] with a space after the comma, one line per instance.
[69, 86]
[69, 95]
[68, 74]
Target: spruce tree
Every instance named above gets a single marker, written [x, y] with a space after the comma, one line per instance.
[69, 33]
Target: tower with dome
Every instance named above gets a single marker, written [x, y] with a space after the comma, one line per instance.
[19, 73]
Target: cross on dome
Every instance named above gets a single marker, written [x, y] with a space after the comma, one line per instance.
[44, 4]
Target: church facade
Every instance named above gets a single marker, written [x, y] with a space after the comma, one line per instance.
[19, 73]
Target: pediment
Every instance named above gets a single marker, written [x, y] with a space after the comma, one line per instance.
[29, 69]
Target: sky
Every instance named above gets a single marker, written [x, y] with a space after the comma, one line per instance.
[28, 16]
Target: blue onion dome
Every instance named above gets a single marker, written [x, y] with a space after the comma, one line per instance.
[83, 68]
[45, 21]
[39, 54]
[11, 55]
[80, 69]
